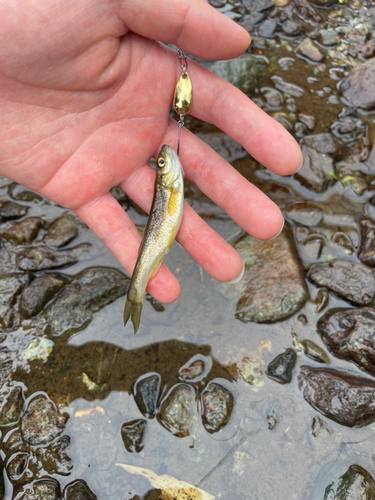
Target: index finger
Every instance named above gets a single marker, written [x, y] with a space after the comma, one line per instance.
[192, 25]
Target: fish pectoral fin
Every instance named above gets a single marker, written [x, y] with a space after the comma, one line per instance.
[156, 266]
[133, 310]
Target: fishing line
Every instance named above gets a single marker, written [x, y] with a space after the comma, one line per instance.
[182, 95]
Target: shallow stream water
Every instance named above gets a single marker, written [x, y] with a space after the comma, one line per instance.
[275, 446]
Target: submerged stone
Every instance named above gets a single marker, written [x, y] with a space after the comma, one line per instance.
[54, 458]
[355, 484]
[273, 282]
[11, 407]
[217, 404]
[280, 369]
[241, 72]
[349, 280]
[78, 490]
[41, 422]
[311, 50]
[132, 435]
[62, 230]
[347, 399]
[10, 210]
[45, 488]
[328, 37]
[43, 257]
[319, 152]
[314, 352]
[10, 286]
[177, 410]
[358, 88]
[89, 291]
[146, 394]
[23, 232]
[366, 252]
[40, 291]
[349, 334]
[17, 465]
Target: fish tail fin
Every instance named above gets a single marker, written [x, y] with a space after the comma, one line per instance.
[133, 310]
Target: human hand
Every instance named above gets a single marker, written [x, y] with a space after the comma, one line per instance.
[85, 94]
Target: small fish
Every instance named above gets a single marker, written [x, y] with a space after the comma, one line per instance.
[161, 230]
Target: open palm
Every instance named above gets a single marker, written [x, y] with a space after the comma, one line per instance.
[85, 94]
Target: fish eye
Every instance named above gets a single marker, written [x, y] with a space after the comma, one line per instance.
[161, 162]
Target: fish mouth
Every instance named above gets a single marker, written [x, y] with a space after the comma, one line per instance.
[167, 152]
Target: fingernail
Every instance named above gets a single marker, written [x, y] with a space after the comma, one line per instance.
[239, 277]
[282, 227]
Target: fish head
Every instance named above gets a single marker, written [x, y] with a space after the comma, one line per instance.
[168, 166]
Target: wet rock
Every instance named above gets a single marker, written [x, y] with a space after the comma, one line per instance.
[351, 178]
[324, 3]
[268, 28]
[10, 287]
[192, 371]
[40, 291]
[308, 120]
[20, 193]
[319, 152]
[249, 370]
[10, 210]
[11, 407]
[314, 352]
[355, 484]
[319, 428]
[89, 291]
[146, 394]
[366, 252]
[311, 50]
[290, 28]
[257, 11]
[17, 465]
[241, 72]
[322, 299]
[78, 490]
[328, 37]
[45, 488]
[347, 399]
[366, 51]
[273, 97]
[62, 231]
[358, 88]
[349, 335]
[177, 410]
[217, 404]
[306, 214]
[54, 458]
[43, 257]
[273, 283]
[39, 349]
[41, 422]
[306, 12]
[287, 88]
[349, 280]
[132, 434]
[280, 369]
[23, 232]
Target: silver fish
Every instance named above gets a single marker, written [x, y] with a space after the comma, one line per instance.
[161, 230]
